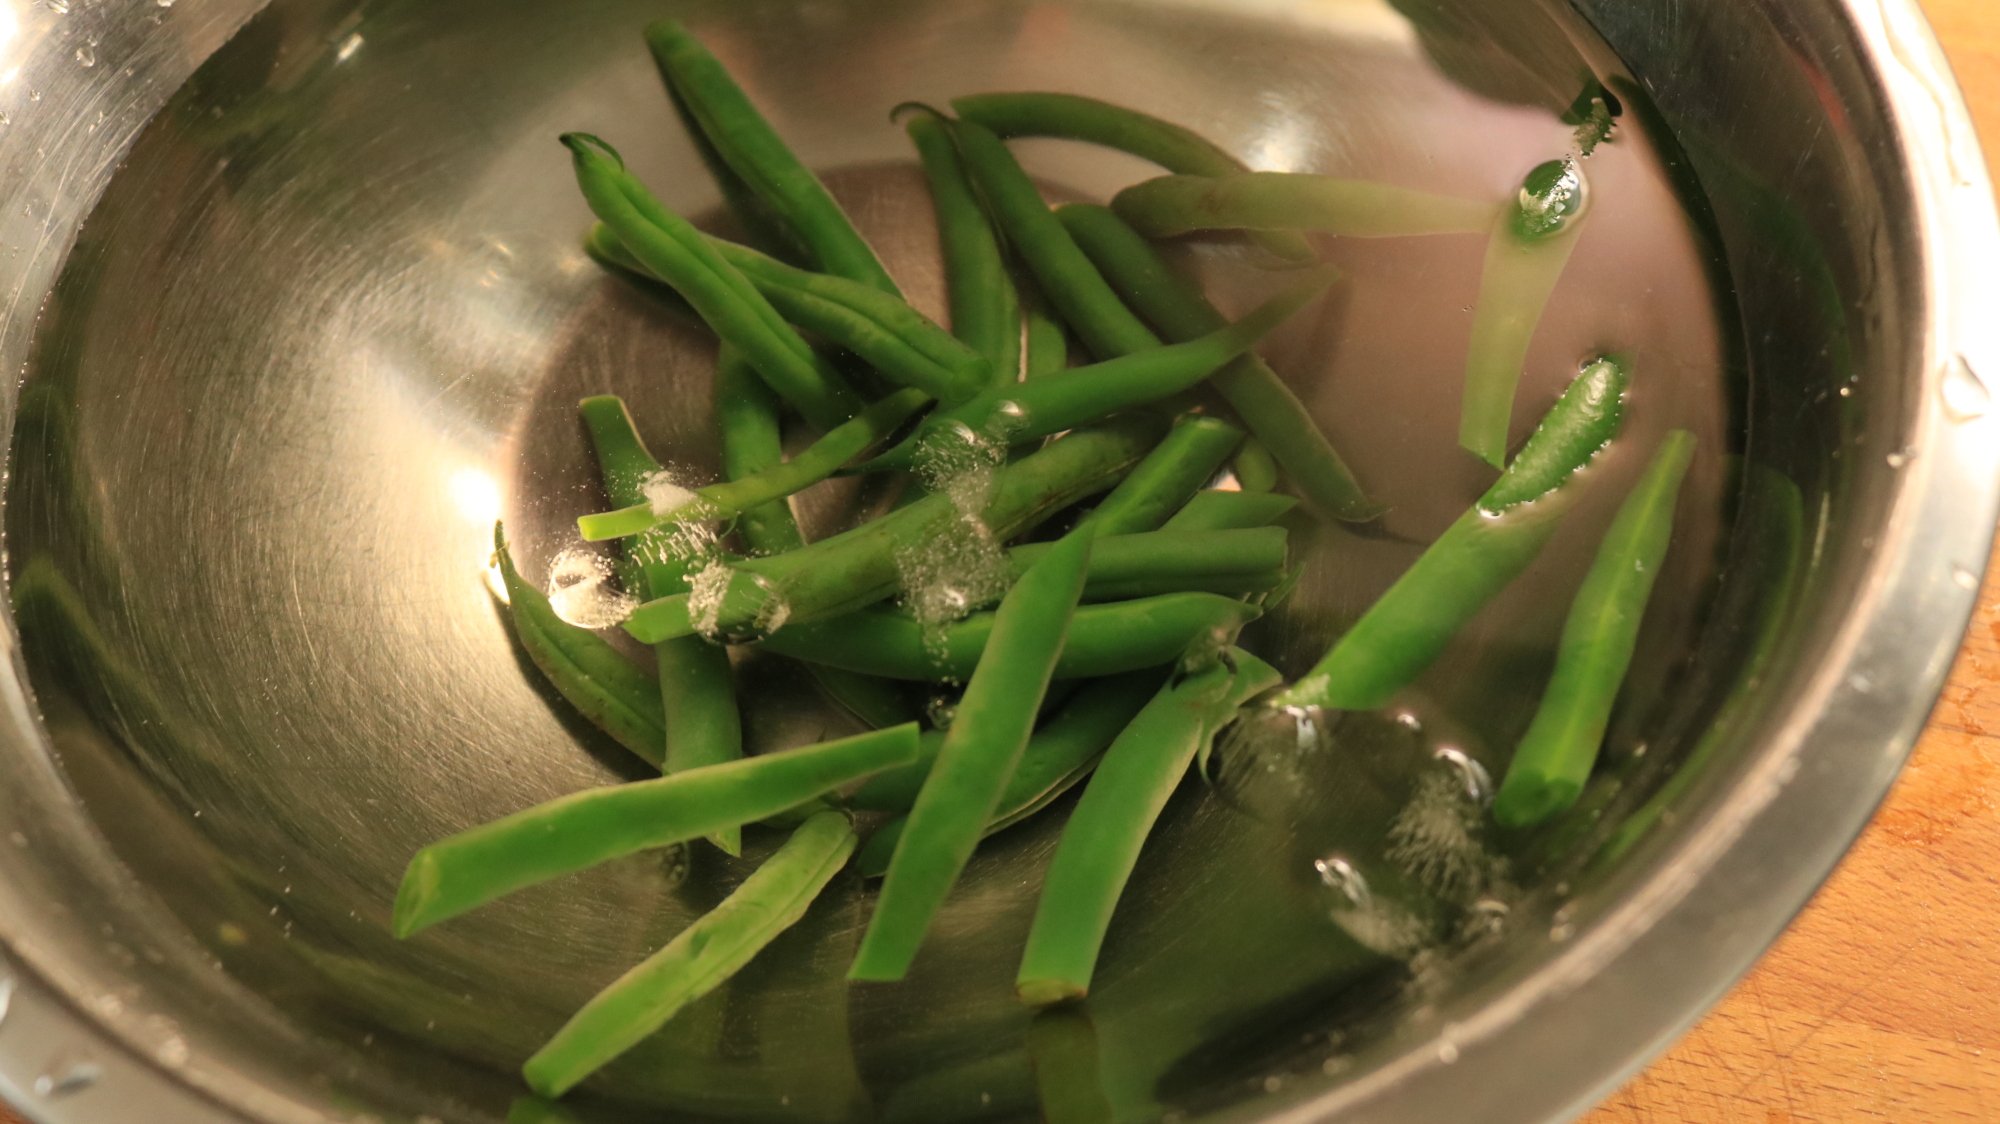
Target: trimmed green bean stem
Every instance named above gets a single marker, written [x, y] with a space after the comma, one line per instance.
[597, 825]
[1075, 117]
[980, 751]
[1476, 557]
[674, 251]
[1029, 411]
[1192, 454]
[1226, 511]
[1104, 639]
[610, 691]
[819, 461]
[1175, 205]
[754, 151]
[1064, 275]
[1059, 755]
[697, 690]
[1175, 304]
[1256, 470]
[1557, 753]
[699, 958]
[1101, 842]
[985, 308]
[857, 568]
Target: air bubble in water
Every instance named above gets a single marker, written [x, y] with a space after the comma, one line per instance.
[664, 495]
[1551, 199]
[582, 593]
[59, 7]
[172, 1052]
[961, 567]
[1435, 837]
[709, 589]
[65, 1075]
[1966, 395]
[940, 711]
[1963, 578]
[1902, 457]
[1476, 782]
[1340, 876]
[86, 55]
[6, 996]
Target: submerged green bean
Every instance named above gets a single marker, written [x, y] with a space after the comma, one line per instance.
[592, 676]
[1045, 345]
[857, 568]
[755, 152]
[985, 308]
[991, 729]
[1176, 306]
[722, 501]
[1191, 455]
[1477, 556]
[1104, 639]
[1556, 755]
[597, 825]
[699, 958]
[674, 251]
[1224, 511]
[1256, 470]
[1100, 844]
[1075, 117]
[1064, 275]
[1173, 205]
[1146, 563]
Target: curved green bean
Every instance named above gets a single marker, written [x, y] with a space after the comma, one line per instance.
[857, 568]
[1104, 639]
[1477, 556]
[1176, 306]
[1075, 117]
[754, 151]
[985, 308]
[819, 461]
[980, 751]
[597, 825]
[1029, 411]
[1214, 510]
[1065, 276]
[1192, 453]
[1174, 205]
[699, 958]
[606, 688]
[1100, 844]
[1556, 755]
[680, 255]
[697, 690]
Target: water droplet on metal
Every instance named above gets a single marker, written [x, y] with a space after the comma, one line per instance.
[1902, 457]
[59, 7]
[347, 47]
[66, 1075]
[164, 3]
[86, 55]
[1963, 578]
[1474, 780]
[1966, 395]
[1846, 392]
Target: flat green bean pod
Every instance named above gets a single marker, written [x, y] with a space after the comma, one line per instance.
[1476, 557]
[597, 825]
[699, 958]
[1173, 205]
[994, 719]
[1100, 844]
[1104, 639]
[1557, 753]
[1075, 117]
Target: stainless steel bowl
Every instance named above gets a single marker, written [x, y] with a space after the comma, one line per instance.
[327, 321]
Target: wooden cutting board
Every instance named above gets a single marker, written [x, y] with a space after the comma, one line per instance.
[1882, 1002]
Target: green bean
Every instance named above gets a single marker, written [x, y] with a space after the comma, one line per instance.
[697, 691]
[747, 417]
[1058, 754]
[1074, 117]
[597, 825]
[592, 676]
[1045, 346]
[754, 151]
[699, 958]
[1557, 753]
[1477, 556]
[1100, 843]
[1069, 1079]
[1256, 470]
[1146, 563]
[1225, 511]
[1192, 453]
[985, 308]
[762, 223]
[1526, 252]
[1065, 276]
[857, 568]
[1176, 306]
[1105, 639]
[1173, 205]
[841, 444]
[1031, 410]
[980, 751]
[676, 252]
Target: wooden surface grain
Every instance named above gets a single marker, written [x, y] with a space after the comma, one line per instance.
[1882, 1001]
